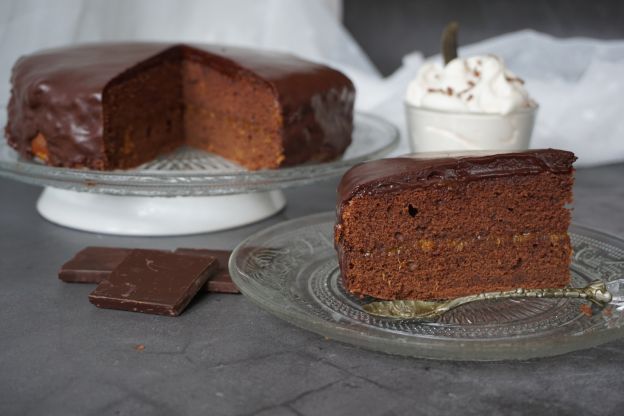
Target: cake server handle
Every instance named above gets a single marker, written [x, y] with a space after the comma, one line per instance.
[596, 292]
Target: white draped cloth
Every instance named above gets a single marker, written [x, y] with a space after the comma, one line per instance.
[578, 83]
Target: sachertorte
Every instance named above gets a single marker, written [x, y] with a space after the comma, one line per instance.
[439, 226]
[116, 106]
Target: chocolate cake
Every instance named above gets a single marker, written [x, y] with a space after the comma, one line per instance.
[439, 226]
[116, 106]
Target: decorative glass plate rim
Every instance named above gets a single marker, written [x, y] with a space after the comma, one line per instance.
[466, 349]
[190, 183]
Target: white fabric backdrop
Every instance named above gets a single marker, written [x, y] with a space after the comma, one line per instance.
[577, 82]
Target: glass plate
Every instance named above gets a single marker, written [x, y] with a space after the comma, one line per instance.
[190, 172]
[291, 270]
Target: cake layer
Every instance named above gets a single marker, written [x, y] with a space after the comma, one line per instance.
[423, 169]
[448, 268]
[236, 118]
[70, 99]
[418, 228]
[144, 116]
[512, 205]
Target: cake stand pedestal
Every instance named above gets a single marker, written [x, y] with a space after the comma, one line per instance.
[186, 192]
[156, 216]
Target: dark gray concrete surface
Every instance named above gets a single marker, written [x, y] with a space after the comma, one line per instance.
[59, 355]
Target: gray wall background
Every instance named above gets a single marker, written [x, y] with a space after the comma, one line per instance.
[388, 29]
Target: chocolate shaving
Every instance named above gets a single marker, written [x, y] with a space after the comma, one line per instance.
[471, 85]
[514, 79]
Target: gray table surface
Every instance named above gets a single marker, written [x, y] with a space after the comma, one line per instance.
[59, 355]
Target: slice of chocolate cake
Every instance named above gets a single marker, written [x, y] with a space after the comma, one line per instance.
[116, 106]
[439, 226]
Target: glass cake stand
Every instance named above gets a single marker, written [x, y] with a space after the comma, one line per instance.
[188, 191]
[291, 270]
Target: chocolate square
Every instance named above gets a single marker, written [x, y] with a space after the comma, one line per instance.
[221, 282]
[153, 281]
[92, 264]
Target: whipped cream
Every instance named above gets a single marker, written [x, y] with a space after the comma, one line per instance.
[479, 84]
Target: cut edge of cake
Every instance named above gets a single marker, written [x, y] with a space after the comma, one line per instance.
[438, 226]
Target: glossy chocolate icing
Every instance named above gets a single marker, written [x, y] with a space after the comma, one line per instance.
[59, 93]
[423, 169]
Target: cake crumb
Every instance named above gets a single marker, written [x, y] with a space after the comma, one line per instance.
[39, 147]
[586, 310]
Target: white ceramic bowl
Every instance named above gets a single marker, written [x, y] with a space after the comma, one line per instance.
[435, 130]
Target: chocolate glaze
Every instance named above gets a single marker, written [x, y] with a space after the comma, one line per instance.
[423, 169]
[59, 93]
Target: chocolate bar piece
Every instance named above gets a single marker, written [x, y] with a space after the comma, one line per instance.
[153, 281]
[92, 264]
[221, 282]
